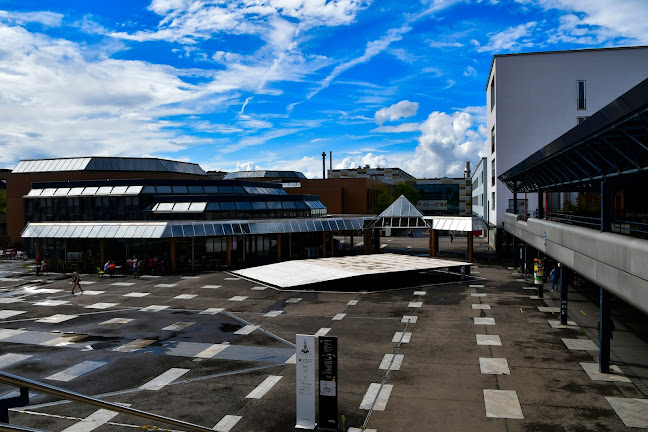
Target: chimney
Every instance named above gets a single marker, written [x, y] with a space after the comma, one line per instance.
[323, 165]
[467, 170]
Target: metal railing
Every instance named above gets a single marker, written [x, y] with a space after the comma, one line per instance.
[26, 384]
[631, 228]
[572, 219]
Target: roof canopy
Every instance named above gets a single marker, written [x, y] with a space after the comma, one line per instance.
[401, 214]
[612, 142]
[95, 163]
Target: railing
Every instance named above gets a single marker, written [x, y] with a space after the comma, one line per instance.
[572, 219]
[631, 228]
[25, 384]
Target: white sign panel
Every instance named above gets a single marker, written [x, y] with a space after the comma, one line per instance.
[432, 205]
[305, 374]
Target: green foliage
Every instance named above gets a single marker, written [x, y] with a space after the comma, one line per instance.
[409, 191]
[384, 200]
[588, 204]
[569, 207]
[388, 196]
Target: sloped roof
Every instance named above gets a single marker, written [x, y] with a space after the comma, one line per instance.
[401, 208]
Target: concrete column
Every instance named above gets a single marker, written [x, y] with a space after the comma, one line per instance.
[367, 241]
[278, 247]
[228, 240]
[324, 254]
[434, 244]
[102, 253]
[606, 207]
[470, 246]
[564, 288]
[605, 322]
[376, 242]
[172, 254]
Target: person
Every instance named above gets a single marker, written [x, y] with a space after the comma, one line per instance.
[410, 233]
[112, 268]
[555, 276]
[76, 281]
[43, 267]
[135, 263]
[451, 236]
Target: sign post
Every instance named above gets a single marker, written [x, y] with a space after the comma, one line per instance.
[305, 377]
[328, 380]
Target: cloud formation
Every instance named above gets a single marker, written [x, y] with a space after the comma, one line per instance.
[402, 109]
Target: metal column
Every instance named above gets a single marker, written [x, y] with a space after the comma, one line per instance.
[606, 207]
[540, 203]
[515, 240]
[564, 288]
[605, 323]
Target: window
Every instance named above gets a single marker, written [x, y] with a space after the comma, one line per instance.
[581, 119]
[493, 140]
[492, 200]
[492, 93]
[493, 173]
[581, 95]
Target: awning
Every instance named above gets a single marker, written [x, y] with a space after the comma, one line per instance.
[171, 229]
[457, 223]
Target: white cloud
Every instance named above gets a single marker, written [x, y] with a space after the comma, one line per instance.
[49, 19]
[511, 39]
[470, 71]
[404, 127]
[402, 109]
[444, 44]
[247, 166]
[374, 161]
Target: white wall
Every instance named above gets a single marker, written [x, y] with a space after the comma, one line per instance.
[481, 190]
[536, 102]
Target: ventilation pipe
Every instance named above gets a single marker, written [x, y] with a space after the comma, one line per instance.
[467, 170]
[323, 165]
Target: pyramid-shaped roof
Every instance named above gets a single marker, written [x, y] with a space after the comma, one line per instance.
[401, 208]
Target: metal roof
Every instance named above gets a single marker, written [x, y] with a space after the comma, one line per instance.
[100, 163]
[400, 214]
[612, 142]
[457, 223]
[265, 174]
[149, 230]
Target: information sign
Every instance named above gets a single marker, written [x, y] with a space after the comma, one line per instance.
[305, 377]
[328, 383]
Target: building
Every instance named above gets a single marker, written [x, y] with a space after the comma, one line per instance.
[444, 196]
[532, 98]
[343, 195]
[480, 190]
[267, 176]
[387, 175]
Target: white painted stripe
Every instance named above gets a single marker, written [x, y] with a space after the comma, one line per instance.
[502, 404]
[387, 360]
[8, 300]
[530, 288]
[227, 423]
[246, 330]
[92, 422]
[134, 345]
[7, 313]
[494, 366]
[87, 282]
[76, 371]
[101, 305]
[480, 306]
[92, 293]
[419, 293]
[7, 333]
[484, 321]
[478, 295]
[136, 294]
[153, 308]
[165, 285]
[232, 278]
[51, 303]
[272, 314]
[292, 359]
[264, 387]
[63, 340]
[150, 276]
[322, 332]
[409, 319]
[185, 296]
[7, 360]
[415, 304]
[237, 298]
[406, 337]
[370, 396]
[259, 288]
[474, 272]
[189, 277]
[476, 286]
[211, 286]
[166, 378]
[211, 311]
[116, 322]
[353, 429]
[123, 283]
[181, 325]
[338, 317]
[352, 302]
[549, 309]
[489, 340]
[211, 351]
[294, 300]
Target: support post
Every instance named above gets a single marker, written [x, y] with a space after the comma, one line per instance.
[351, 246]
[102, 252]
[605, 323]
[470, 246]
[564, 288]
[193, 258]
[172, 254]
[434, 244]
[37, 246]
[367, 241]
[540, 207]
[606, 207]
[228, 240]
[515, 241]
[278, 248]
[324, 255]
[376, 240]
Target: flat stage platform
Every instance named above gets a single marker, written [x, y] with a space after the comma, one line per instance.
[292, 274]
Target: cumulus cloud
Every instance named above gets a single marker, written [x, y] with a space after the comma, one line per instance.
[402, 109]
[511, 39]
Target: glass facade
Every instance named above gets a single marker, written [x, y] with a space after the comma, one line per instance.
[107, 164]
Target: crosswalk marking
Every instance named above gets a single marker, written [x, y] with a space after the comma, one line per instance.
[246, 330]
[154, 308]
[405, 338]
[116, 322]
[76, 371]
[387, 361]
[165, 285]
[381, 400]
[238, 298]
[415, 304]
[480, 306]
[185, 296]
[51, 303]
[259, 288]
[92, 293]
[502, 404]
[136, 294]
[292, 359]
[409, 319]
[352, 302]
[227, 423]
[134, 345]
[181, 325]
[211, 311]
[338, 317]
[7, 313]
[101, 305]
[211, 286]
[322, 332]
[7, 360]
[8, 300]
[164, 379]
[272, 314]
[123, 284]
[92, 422]
[211, 351]
[264, 387]
[7, 333]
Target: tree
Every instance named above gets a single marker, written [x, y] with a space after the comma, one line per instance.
[411, 193]
[388, 196]
[384, 200]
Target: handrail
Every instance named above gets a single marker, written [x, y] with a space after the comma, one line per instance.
[18, 381]
[4, 427]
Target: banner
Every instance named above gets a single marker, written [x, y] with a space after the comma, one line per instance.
[538, 271]
[328, 383]
[305, 378]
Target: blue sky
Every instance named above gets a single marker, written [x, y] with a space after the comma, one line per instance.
[270, 84]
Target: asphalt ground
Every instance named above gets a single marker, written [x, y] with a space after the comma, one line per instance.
[438, 387]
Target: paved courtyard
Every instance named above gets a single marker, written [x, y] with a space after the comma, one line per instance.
[216, 350]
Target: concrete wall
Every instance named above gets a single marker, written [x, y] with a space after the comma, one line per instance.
[480, 178]
[536, 102]
[615, 262]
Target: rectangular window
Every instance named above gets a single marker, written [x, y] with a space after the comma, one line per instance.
[581, 119]
[493, 140]
[581, 95]
[493, 173]
[492, 93]
[492, 200]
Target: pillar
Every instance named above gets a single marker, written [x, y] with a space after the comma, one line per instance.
[37, 246]
[564, 288]
[351, 247]
[470, 246]
[367, 241]
[324, 254]
[605, 322]
[606, 207]
[102, 253]
[172, 254]
[434, 243]
[540, 205]
[278, 247]
[376, 240]
[515, 241]
[228, 240]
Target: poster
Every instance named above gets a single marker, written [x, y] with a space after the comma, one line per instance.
[328, 383]
[305, 378]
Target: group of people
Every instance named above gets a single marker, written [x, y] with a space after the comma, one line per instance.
[41, 265]
[110, 268]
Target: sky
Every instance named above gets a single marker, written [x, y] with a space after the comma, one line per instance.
[271, 84]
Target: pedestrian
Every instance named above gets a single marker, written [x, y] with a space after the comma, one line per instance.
[76, 281]
[555, 277]
[610, 326]
[43, 267]
[135, 267]
[451, 236]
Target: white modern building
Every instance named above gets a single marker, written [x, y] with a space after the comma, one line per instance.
[533, 98]
[480, 190]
